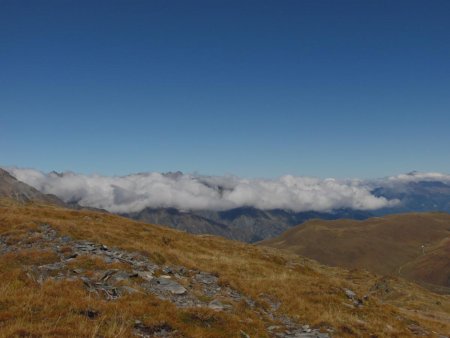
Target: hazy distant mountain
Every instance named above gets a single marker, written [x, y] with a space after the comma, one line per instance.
[181, 220]
[245, 224]
[416, 196]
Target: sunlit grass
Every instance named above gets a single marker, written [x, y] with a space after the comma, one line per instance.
[308, 292]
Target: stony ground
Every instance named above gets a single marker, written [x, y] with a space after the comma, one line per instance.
[131, 272]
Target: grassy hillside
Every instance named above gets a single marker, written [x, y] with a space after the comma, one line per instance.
[413, 245]
[267, 291]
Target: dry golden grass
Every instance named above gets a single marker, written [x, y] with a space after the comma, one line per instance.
[384, 245]
[308, 292]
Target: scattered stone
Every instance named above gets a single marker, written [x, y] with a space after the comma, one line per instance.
[142, 330]
[170, 285]
[350, 294]
[167, 270]
[273, 303]
[127, 290]
[85, 247]
[107, 275]
[357, 302]
[52, 267]
[65, 239]
[109, 260]
[417, 330]
[206, 278]
[71, 256]
[145, 275]
[297, 334]
[250, 302]
[110, 292]
[233, 294]
[108, 283]
[121, 276]
[216, 305]
[182, 270]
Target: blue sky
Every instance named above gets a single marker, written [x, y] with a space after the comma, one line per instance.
[252, 88]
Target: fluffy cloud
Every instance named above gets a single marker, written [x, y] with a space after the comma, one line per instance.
[193, 192]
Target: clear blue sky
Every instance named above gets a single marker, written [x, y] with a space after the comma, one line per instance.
[253, 88]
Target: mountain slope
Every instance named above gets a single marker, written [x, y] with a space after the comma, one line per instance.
[10, 187]
[181, 220]
[412, 245]
[87, 273]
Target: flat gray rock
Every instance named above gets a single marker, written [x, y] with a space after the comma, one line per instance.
[216, 305]
[146, 275]
[167, 284]
[120, 276]
[350, 294]
[206, 278]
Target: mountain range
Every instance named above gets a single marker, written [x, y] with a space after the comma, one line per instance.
[412, 192]
[251, 224]
[246, 224]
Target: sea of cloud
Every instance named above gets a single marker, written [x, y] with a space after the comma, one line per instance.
[135, 192]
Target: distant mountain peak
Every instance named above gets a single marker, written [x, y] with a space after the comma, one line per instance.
[413, 173]
[55, 173]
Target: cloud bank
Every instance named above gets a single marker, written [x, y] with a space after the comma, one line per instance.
[135, 192]
[415, 177]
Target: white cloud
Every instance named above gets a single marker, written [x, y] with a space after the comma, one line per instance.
[193, 192]
[419, 177]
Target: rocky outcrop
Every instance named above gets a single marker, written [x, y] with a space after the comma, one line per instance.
[139, 274]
